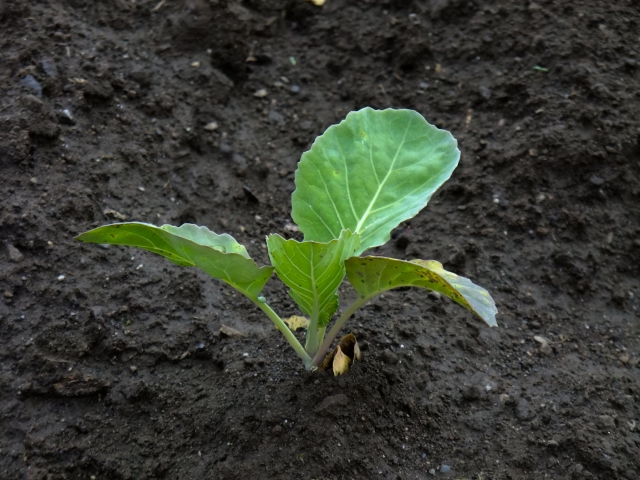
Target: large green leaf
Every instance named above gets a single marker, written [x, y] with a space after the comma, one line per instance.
[313, 271]
[373, 275]
[190, 246]
[370, 172]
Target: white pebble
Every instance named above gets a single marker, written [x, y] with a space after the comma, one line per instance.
[261, 93]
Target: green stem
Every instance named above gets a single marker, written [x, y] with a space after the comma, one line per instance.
[321, 332]
[288, 334]
[311, 347]
[333, 333]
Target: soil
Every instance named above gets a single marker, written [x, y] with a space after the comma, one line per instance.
[112, 363]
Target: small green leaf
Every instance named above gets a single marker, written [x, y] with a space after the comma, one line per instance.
[190, 246]
[313, 271]
[373, 275]
[370, 172]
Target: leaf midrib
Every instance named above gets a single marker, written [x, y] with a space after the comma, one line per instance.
[381, 185]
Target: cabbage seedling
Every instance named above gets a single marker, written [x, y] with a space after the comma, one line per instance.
[359, 181]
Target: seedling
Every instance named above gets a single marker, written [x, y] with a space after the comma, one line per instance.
[359, 181]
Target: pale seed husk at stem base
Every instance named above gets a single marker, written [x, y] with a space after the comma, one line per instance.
[294, 322]
[343, 356]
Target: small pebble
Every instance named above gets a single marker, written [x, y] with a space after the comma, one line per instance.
[485, 92]
[133, 369]
[432, 471]
[14, 254]
[524, 411]
[445, 469]
[389, 357]
[66, 117]
[295, 88]
[60, 278]
[49, 67]
[261, 93]
[211, 126]
[605, 422]
[29, 81]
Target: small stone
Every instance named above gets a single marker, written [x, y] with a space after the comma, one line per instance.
[291, 227]
[110, 212]
[7, 294]
[389, 357]
[30, 82]
[14, 254]
[332, 404]
[524, 411]
[231, 332]
[605, 422]
[276, 117]
[485, 92]
[432, 471]
[277, 430]
[60, 278]
[49, 67]
[543, 232]
[294, 89]
[596, 180]
[553, 443]
[472, 393]
[65, 117]
[544, 345]
[225, 148]
[624, 358]
[445, 469]
[133, 369]
[211, 126]
[261, 93]
[631, 63]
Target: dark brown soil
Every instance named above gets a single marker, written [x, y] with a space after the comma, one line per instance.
[112, 365]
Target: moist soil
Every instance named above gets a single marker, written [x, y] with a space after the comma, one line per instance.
[113, 364]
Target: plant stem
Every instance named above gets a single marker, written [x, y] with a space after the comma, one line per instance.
[288, 334]
[333, 333]
[313, 341]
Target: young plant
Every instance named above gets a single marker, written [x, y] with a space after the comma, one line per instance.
[359, 181]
